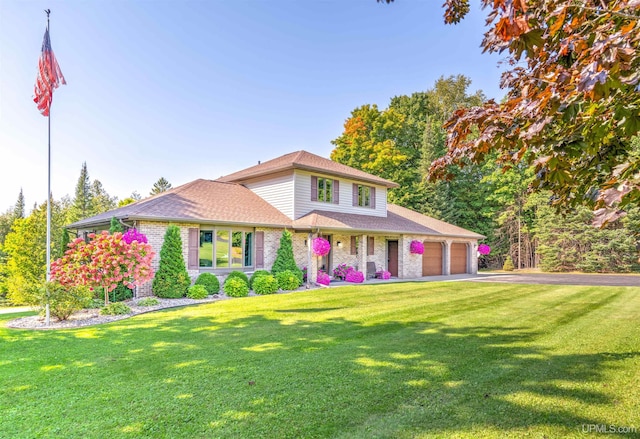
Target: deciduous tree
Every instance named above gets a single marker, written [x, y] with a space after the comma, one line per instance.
[573, 103]
[26, 246]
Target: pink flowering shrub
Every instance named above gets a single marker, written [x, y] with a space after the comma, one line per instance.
[484, 249]
[320, 246]
[323, 278]
[340, 272]
[354, 276]
[133, 235]
[416, 247]
[106, 261]
[384, 274]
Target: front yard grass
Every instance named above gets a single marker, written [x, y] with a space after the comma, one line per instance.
[401, 360]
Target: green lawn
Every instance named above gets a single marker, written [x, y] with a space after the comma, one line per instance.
[412, 360]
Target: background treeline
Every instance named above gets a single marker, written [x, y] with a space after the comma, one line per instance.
[23, 233]
[401, 141]
[398, 143]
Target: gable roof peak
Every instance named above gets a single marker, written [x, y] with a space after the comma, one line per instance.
[307, 161]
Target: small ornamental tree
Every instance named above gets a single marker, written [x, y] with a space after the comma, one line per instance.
[284, 257]
[104, 262]
[171, 279]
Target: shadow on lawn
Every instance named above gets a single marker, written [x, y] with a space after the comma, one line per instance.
[325, 377]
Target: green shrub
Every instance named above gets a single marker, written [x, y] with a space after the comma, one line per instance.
[265, 284]
[115, 226]
[197, 292]
[508, 264]
[288, 280]
[284, 257]
[237, 275]
[255, 275]
[209, 281]
[118, 295]
[148, 301]
[115, 309]
[63, 301]
[95, 303]
[236, 287]
[171, 280]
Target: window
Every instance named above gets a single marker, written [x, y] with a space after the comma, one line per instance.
[222, 248]
[364, 196]
[325, 190]
[206, 249]
[248, 247]
[225, 248]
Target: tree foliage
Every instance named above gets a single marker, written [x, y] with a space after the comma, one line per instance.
[284, 256]
[171, 279]
[102, 201]
[400, 142]
[571, 243]
[572, 106]
[90, 197]
[115, 226]
[25, 247]
[18, 209]
[106, 261]
[82, 206]
[162, 185]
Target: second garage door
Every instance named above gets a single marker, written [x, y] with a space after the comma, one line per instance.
[432, 259]
[458, 258]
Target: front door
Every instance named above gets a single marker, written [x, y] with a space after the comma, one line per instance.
[392, 257]
[325, 261]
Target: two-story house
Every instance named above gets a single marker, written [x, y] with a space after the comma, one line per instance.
[235, 222]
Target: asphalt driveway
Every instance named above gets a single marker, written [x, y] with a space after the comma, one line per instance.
[619, 280]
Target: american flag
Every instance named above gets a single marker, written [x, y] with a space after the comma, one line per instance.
[49, 76]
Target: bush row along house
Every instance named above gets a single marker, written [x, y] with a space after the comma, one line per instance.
[236, 221]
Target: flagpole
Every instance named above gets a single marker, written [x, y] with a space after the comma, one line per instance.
[48, 278]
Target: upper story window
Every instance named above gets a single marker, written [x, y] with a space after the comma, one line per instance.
[325, 190]
[364, 196]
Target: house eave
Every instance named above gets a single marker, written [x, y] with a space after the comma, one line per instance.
[353, 231]
[130, 218]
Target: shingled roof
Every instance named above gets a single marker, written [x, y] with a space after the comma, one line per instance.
[308, 162]
[200, 201]
[398, 220]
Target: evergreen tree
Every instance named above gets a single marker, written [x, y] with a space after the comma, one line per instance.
[171, 279]
[115, 226]
[83, 202]
[284, 256]
[162, 185]
[18, 210]
[64, 243]
[101, 201]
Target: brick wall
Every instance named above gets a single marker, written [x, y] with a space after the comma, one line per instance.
[411, 263]
[155, 234]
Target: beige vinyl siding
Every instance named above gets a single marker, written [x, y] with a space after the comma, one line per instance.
[276, 190]
[303, 204]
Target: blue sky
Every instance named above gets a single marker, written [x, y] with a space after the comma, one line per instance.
[199, 89]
